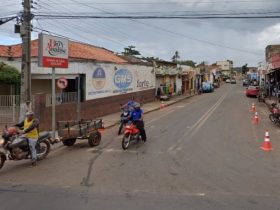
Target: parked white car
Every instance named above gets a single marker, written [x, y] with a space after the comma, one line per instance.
[228, 81]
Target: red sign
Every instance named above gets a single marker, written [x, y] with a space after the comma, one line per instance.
[62, 83]
[55, 62]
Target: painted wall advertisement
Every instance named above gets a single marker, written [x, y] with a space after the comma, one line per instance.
[104, 81]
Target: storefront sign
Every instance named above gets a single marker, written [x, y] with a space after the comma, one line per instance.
[123, 78]
[106, 80]
[53, 51]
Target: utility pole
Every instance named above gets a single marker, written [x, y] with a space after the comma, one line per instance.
[25, 32]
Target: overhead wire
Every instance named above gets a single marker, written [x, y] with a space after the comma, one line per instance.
[174, 33]
[71, 29]
[175, 2]
[216, 16]
[102, 27]
[54, 23]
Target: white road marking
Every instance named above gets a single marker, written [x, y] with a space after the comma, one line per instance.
[200, 194]
[194, 129]
[180, 106]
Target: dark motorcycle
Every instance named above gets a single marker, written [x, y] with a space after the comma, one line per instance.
[124, 120]
[274, 115]
[15, 147]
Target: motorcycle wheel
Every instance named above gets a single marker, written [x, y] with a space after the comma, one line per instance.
[68, 142]
[272, 118]
[126, 141]
[45, 148]
[94, 139]
[120, 129]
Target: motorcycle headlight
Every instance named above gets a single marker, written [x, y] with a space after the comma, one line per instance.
[1, 142]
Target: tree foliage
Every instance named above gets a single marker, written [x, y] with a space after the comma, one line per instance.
[130, 50]
[245, 69]
[188, 63]
[150, 59]
[175, 58]
[8, 74]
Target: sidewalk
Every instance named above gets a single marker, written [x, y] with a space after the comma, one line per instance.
[268, 101]
[114, 119]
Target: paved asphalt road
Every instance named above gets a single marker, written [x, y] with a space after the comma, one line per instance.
[202, 153]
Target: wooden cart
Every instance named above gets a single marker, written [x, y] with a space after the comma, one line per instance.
[71, 130]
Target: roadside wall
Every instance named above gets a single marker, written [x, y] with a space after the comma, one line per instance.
[89, 109]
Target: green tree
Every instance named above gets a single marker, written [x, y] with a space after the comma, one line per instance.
[245, 69]
[8, 74]
[188, 63]
[130, 50]
[150, 59]
[175, 58]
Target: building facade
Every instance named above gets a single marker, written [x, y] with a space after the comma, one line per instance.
[225, 67]
[106, 81]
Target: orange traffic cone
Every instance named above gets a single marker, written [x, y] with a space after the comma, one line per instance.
[253, 108]
[256, 119]
[266, 144]
[162, 105]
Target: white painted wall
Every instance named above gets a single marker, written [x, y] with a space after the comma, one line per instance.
[133, 77]
[178, 84]
[142, 77]
[225, 65]
[159, 81]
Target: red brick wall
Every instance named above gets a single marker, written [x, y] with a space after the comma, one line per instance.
[89, 109]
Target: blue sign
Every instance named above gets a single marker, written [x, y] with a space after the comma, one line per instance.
[98, 78]
[123, 78]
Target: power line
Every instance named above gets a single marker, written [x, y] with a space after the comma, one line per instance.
[173, 13]
[172, 32]
[100, 27]
[70, 28]
[198, 40]
[7, 19]
[173, 2]
[215, 16]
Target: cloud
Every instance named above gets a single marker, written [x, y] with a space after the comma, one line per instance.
[270, 35]
[152, 38]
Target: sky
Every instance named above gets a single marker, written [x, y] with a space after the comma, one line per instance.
[240, 40]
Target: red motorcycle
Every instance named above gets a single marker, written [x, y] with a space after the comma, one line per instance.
[131, 133]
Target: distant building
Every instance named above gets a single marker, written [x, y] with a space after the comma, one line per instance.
[225, 66]
[272, 56]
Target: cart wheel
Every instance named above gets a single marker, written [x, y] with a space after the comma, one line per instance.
[94, 139]
[69, 142]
